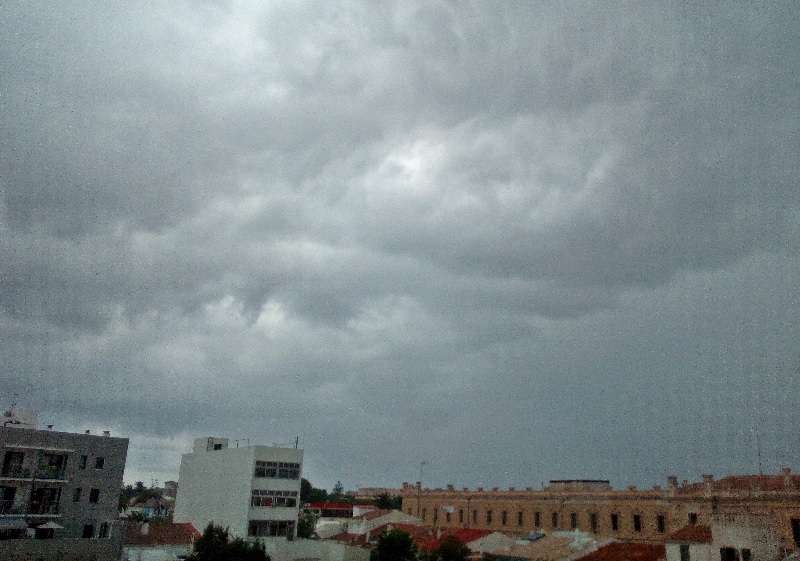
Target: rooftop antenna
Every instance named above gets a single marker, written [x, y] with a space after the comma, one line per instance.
[758, 447]
[296, 441]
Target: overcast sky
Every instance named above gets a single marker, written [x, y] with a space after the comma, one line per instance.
[519, 241]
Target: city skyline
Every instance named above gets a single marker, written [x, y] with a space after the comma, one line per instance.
[519, 242]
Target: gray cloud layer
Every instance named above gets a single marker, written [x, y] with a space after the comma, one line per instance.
[518, 241]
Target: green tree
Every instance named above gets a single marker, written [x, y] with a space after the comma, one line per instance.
[216, 545]
[451, 549]
[394, 545]
[338, 489]
[306, 525]
[388, 501]
[310, 494]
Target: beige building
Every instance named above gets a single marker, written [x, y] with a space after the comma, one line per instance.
[631, 514]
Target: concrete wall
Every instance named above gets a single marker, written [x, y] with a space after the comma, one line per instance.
[59, 550]
[320, 550]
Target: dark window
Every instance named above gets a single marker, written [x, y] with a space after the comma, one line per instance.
[593, 522]
[99, 462]
[555, 520]
[661, 523]
[747, 555]
[573, 521]
[218, 447]
[728, 554]
[637, 522]
[520, 518]
[76, 495]
[537, 519]
[88, 531]
[12, 465]
[424, 513]
[692, 518]
[504, 518]
[82, 462]
[474, 516]
[488, 516]
[460, 516]
[435, 515]
[277, 470]
[685, 553]
[796, 531]
[447, 516]
[103, 532]
[615, 522]
[94, 495]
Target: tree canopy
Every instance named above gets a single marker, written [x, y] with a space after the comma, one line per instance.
[216, 545]
[394, 545]
[451, 549]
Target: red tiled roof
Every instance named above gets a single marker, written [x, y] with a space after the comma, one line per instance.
[757, 482]
[623, 551]
[160, 533]
[693, 533]
[332, 506]
[374, 514]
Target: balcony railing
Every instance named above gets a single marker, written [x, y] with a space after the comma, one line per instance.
[7, 507]
[16, 472]
[43, 508]
[49, 473]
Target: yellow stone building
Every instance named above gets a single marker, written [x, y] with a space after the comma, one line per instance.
[593, 506]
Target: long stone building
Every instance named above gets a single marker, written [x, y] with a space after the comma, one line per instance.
[630, 514]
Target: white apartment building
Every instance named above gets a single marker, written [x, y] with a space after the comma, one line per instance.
[252, 490]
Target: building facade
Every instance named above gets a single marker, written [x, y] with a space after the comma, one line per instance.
[252, 490]
[631, 514]
[59, 491]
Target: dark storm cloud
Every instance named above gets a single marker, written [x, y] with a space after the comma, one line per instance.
[470, 231]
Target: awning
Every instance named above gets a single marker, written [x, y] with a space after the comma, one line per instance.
[50, 526]
[13, 524]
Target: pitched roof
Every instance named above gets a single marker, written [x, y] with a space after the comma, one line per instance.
[627, 551]
[373, 514]
[693, 533]
[160, 533]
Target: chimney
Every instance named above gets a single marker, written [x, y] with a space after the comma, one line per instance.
[708, 483]
[672, 481]
[87, 432]
[450, 487]
[106, 433]
[787, 477]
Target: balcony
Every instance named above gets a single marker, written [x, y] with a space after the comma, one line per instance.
[15, 472]
[43, 508]
[50, 472]
[7, 507]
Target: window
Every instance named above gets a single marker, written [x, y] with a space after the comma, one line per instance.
[12, 465]
[88, 531]
[424, 513]
[728, 554]
[537, 519]
[103, 532]
[573, 521]
[555, 520]
[488, 516]
[266, 497]
[637, 522]
[692, 518]
[661, 523]
[51, 466]
[82, 462]
[593, 522]
[796, 531]
[76, 495]
[217, 446]
[460, 516]
[504, 518]
[94, 495]
[520, 518]
[615, 522]
[747, 555]
[264, 528]
[474, 516]
[435, 515]
[685, 553]
[277, 470]
[99, 462]
[447, 516]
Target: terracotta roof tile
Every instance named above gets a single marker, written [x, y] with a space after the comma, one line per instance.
[693, 533]
[625, 551]
[160, 533]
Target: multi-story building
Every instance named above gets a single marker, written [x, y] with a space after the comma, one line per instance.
[630, 514]
[252, 490]
[59, 491]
